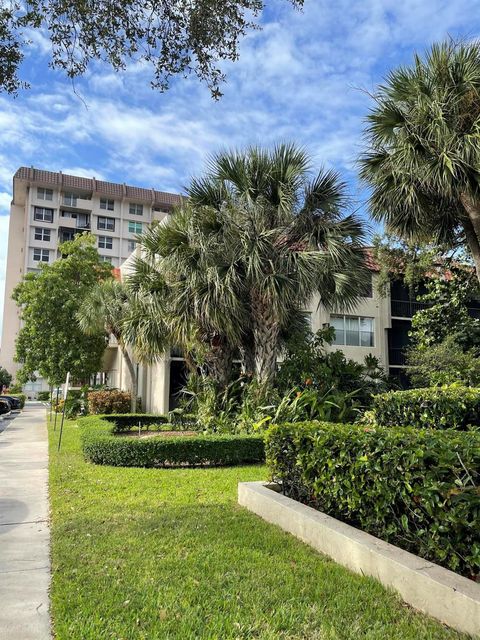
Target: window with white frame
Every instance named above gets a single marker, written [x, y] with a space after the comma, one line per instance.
[42, 234]
[106, 224]
[353, 331]
[106, 203]
[134, 227]
[70, 199]
[135, 209]
[132, 245]
[106, 259]
[104, 242]
[41, 255]
[44, 194]
[43, 214]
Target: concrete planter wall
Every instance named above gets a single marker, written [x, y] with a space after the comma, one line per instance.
[450, 598]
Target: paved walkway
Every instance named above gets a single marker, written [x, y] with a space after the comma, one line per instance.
[24, 531]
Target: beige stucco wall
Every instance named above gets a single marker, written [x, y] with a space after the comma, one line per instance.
[14, 273]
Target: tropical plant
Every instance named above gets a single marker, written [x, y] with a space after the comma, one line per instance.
[287, 237]
[105, 308]
[423, 156]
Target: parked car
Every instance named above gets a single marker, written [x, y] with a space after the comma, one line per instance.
[4, 407]
[13, 402]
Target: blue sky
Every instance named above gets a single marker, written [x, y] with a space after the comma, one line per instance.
[301, 78]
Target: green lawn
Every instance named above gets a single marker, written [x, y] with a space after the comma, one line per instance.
[167, 554]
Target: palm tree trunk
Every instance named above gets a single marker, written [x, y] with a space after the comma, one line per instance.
[471, 227]
[266, 331]
[219, 362]
[133, 378]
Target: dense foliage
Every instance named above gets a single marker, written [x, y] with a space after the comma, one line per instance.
[5, 378]
[108, 401]
[101, 446]
[50, 340]
[171, 38]
[452, 407]
[423, 152]
[105, 308]
[417, 488]
[444, 363]
[232, 271]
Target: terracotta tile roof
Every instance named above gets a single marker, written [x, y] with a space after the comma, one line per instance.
[100, 187]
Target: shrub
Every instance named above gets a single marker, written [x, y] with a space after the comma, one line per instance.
[417, 488]
[43, 396]
[101, 446]
[435, 407]
[128, 421]
[109, 401]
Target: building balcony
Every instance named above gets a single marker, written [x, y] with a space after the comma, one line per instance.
[77, 204]
[407, 308]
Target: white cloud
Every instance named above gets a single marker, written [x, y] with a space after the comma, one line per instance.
[298, 79]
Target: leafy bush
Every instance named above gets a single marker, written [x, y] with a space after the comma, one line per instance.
[417, 488]
[109, 401]
[101, 446]
[21, 397]
[444, 363]
[453, 407]
[75, 406]
[43, 396]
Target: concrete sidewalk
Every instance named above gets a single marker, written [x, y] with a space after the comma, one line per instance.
[24, 530]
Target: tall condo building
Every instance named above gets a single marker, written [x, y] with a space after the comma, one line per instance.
[49, 208]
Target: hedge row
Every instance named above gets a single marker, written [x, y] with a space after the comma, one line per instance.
[437, 407]
[417, 488]
[101, 446]
[127, 421]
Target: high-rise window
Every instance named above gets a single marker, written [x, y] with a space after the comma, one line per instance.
[105, 203]
[106, 224]
[42, 234]
[106, 259]
[132, 245]
[70, 199]
[41, 255]
[135, 209]
[104, 242]
[43, 214]
[353, 331]
[134, 227]
[44, 194]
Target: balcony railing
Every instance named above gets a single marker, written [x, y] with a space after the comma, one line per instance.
[407, 308]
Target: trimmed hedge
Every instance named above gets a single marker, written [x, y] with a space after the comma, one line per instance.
[417, 488]
[127, 421]
[436, 407]
[109, 401]
[101, 446]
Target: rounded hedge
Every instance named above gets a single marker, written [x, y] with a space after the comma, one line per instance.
[101, 446]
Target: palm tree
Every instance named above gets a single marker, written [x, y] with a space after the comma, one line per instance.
[106, 308]
[286, 238]
[423, 157]
[186, 292]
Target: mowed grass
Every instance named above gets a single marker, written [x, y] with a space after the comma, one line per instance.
[167, 554]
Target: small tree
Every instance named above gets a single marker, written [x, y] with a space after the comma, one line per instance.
[104, 309]
[50, 340]
[5, 378]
